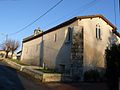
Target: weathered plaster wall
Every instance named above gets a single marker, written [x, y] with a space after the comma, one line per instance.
[52, 53]
[94, 49]
[57, 52]
[31, 52]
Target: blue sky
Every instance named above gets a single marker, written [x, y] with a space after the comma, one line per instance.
[16, 14]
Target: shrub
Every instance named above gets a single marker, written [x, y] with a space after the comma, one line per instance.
[92, 75]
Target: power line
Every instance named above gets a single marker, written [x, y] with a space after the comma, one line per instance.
[115, 11]
[86, 6]
[37, 18]
[82, 8]
[119, 6]
[6, 36]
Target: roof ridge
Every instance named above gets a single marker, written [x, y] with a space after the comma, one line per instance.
[67, 22]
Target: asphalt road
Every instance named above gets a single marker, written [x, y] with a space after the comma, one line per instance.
[10, 79]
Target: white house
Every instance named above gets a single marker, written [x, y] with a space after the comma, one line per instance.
[77, 44]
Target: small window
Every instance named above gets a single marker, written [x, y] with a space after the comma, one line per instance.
[98, 32]
[55, 37]
[69, 34]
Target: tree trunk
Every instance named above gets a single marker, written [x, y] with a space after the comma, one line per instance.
[12, 55]
[6, 56]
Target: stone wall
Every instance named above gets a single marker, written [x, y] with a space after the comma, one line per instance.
[77, 51]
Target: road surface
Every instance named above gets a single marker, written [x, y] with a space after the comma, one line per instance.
[10, 79]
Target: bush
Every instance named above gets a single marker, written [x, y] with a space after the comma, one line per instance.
[92, 75]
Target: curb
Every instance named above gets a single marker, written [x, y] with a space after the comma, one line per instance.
[40, 76]
[25, 69]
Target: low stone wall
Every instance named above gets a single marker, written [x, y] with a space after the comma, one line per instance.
[43, 77]
[13, 64]
[35, 74]
[49, 77]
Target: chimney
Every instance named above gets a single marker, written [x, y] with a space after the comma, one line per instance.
[37, 31]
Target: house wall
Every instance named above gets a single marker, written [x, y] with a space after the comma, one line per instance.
[3, 53]
[31, 52]
[118, 40]
[54, 54]
[94, 49]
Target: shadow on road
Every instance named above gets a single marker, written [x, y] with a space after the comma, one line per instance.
[78, 86]
[9, 79]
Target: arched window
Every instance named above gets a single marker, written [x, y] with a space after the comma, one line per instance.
[98, 31]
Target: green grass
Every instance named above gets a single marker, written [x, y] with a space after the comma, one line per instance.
[44, 70]
[18, 62]
[47, 70]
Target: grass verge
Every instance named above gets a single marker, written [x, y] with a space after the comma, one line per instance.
[47, 70]
[18, 62]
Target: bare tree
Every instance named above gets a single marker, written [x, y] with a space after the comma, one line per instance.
[6, 47]
[10, 46]
[14, 46]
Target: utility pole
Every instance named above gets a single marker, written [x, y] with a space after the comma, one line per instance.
[6, 37]
[119, 6]
[115, 11]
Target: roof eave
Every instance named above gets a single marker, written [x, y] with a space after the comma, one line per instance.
[69, 22]
[100, 16]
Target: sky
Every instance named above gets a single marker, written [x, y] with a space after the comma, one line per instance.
[16, 14]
